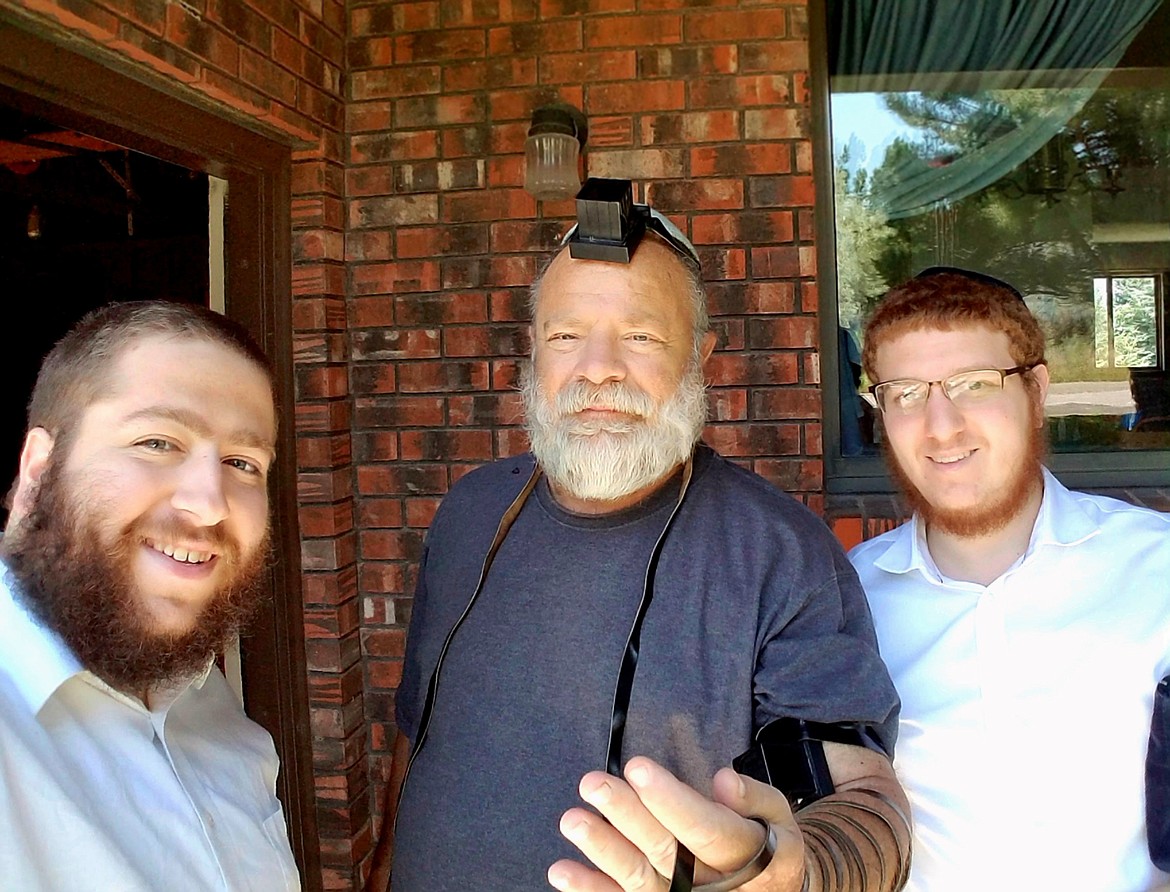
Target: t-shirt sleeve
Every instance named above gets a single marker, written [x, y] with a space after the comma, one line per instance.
[818, 658]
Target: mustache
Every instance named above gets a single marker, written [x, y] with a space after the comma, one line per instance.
[175, 529]
[577, 396]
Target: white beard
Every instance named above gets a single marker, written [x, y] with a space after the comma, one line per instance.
[608, 459]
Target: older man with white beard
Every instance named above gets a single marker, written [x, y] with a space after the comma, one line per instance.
[1026, 626]
[622, 542]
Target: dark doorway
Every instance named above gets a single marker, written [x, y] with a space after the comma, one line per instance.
[84, 222]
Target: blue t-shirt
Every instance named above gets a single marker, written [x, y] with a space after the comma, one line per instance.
[757, 614]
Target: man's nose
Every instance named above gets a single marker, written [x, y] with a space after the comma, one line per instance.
[943, 418]
[601, 360]
[199, 492]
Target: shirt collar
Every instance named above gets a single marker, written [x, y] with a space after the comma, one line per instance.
[39, 661]
[905, 551]
[33, 656]
[162, 699]
[201, 679]
[1061, 521]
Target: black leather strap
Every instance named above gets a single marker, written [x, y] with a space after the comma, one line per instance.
[683, 877]
[788, 754]
[757, 865]
[1158, 779]
[625, 679]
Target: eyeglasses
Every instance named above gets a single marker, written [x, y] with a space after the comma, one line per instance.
[907, 396]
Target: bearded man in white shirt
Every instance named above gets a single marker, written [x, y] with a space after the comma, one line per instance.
[1025, 626]
[137, 533]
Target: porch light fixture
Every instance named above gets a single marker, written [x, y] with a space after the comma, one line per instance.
[552, 150]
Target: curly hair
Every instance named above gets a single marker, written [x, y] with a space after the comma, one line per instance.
[952, 299]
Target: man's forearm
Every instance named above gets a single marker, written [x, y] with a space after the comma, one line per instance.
[856, 840]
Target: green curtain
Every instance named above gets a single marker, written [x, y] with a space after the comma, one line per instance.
[929, 56]
[871, 37]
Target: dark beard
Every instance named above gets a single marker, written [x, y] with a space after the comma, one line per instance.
[982, 520]
[86, 594]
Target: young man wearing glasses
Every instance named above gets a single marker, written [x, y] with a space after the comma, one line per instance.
[1026, 626]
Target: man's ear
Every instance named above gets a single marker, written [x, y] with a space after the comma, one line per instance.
[706, 348]
[34, 458]
[1041, 377]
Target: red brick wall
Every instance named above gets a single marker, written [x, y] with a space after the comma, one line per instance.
[414, 242]
[705, 106]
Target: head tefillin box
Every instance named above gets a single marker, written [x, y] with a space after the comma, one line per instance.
[609, 224]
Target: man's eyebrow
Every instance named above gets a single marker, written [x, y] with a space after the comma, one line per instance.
[197, 424]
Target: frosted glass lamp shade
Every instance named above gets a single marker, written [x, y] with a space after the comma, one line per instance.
[552, 152]
[550, 166]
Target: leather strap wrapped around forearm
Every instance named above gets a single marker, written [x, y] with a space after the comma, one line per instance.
[855, 841]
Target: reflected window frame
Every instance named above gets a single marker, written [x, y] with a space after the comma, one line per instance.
[859, 474]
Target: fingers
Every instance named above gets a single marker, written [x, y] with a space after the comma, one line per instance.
[623, 840]
[623, 866]
[632, 839]
[718, 835]
[622, 805]
[569, 876]
[747, 796]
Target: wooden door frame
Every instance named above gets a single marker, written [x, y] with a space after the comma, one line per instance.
[80, 87]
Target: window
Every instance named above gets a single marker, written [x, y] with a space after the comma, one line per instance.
[1125, 322]
[1028, 141]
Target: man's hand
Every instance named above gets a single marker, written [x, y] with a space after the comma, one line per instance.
[651, 809]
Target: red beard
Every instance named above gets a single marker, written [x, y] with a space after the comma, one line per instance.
[991, 516]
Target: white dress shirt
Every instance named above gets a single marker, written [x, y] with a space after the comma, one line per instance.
[1026, 703]
[97, 792]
